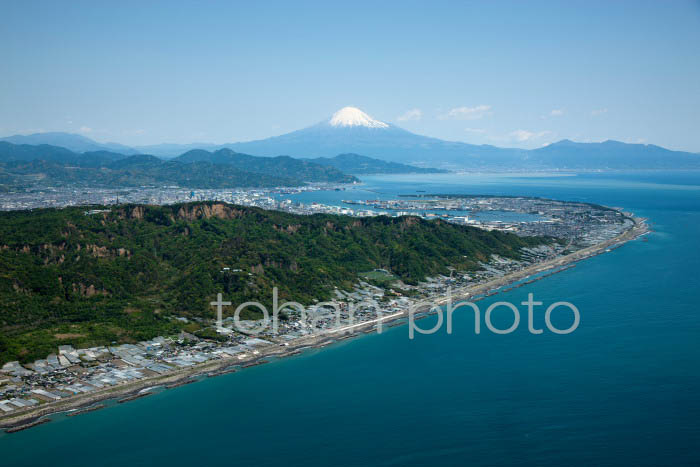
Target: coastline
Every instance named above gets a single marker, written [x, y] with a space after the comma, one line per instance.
[124, 392]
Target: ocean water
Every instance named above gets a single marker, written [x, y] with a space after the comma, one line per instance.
[620, 390]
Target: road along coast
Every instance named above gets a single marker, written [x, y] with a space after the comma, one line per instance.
[32, 416]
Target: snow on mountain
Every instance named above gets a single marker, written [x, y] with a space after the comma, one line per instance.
[352, 116]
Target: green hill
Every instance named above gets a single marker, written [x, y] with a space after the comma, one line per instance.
[120, 275]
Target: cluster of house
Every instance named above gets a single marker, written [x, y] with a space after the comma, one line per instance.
[78, 371]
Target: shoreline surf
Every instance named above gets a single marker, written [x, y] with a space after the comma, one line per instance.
[134, 390]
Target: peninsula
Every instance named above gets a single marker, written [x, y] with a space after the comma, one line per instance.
[151, 271]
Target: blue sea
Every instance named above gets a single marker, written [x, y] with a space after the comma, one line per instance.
[622, 389]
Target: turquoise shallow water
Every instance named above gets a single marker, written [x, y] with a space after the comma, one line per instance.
[621, 389]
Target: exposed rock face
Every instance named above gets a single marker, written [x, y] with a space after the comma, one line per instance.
[188, 212]
[105, 252]
[98, 251]
[136, 213]
[87, 291]
[290, 229]
[206, 211]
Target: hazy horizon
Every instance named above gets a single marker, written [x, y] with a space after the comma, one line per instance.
[217, 143]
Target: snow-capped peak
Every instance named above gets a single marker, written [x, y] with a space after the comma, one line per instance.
[352, 116]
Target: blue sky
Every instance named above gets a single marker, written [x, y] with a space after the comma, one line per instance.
[504, 73]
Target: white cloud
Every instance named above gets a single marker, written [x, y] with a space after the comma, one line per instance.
[413, 114]
[468, 113]
[597, 112]
[85, 129]
[522, 136]
[556, 113]
[479, 131]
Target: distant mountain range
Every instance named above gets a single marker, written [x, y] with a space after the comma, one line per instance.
[73, 142]
[25, 165]
[610, 154]
[351, 131]
[298, 168]
[27, 152]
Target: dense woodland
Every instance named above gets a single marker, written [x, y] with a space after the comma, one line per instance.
[122, 275]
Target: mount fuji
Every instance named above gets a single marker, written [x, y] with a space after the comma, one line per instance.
[350, 130]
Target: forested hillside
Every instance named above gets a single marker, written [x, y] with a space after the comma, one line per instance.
[121, 274]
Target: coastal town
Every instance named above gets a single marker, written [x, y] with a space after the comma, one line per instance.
[57, 197]
[72, 374]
